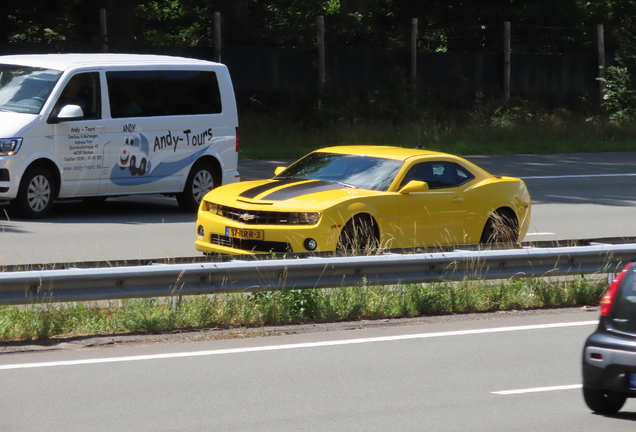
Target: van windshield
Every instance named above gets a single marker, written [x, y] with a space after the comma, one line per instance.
[25, 89]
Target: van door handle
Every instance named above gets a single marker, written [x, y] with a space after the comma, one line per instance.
[100, 127]
[458, 200]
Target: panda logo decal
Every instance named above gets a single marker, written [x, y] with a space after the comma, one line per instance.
[133, 154]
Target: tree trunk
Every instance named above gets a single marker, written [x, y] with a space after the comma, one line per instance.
[121, 23]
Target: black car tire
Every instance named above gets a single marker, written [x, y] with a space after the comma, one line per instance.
[133, 165]
[501, 227]
[36, 193]
[603, 401]
[142, 166]
[359, 234]
[200, 181]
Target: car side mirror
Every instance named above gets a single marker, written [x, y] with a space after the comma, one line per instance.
[279, 170]
[414, 186]
[67, 113]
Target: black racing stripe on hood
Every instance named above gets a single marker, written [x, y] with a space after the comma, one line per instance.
[302, 189]
[256, 191]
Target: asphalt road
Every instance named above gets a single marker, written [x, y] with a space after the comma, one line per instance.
[575, 196]
[489, 372]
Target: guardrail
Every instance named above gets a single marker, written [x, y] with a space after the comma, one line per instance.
[159, 280]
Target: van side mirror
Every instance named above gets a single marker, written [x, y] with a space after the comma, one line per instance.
[279, 170]
[68, 113]
[414, 186]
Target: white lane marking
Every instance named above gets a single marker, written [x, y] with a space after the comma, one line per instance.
[539, 389]
[575, 176]
[543, 233]
[292, 346]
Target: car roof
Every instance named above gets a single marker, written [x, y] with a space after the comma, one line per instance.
[71, 61]
[392, 152]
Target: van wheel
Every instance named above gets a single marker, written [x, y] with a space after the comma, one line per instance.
[200, 181]
[36, 193]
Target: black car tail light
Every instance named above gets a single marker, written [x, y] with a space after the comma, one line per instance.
[608, 299]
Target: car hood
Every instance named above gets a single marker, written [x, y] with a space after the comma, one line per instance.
[315, 194]
[14, 124]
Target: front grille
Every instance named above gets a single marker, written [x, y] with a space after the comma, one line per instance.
[249, 245]
[259, 217]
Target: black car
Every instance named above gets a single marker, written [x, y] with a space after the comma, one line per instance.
[609, 355]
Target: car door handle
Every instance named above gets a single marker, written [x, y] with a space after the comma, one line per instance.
[100, 127]
[458, 200]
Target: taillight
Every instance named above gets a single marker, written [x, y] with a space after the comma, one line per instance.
[238, 140]
[608, 299]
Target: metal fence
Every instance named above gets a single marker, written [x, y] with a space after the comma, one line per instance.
[158, 280]
[270, 69]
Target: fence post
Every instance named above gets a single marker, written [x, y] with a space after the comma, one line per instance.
[103, 29]
[217, 37]
[601, 61]
[322, 73]
[506, 75]
[413, 53]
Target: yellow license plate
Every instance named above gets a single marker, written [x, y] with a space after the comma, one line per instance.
[249, 234]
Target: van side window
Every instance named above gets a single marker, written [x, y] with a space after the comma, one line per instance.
[163, 93]
[82, 89]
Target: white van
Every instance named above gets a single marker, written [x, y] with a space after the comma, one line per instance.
[92, 126]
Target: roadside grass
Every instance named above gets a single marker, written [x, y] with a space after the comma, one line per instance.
[159, 315]
[281, 137]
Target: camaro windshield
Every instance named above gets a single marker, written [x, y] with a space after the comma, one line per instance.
[25, 89]
[362, 172]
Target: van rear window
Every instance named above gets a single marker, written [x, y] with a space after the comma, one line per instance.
[163, 93]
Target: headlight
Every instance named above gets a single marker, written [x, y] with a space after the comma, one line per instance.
[212, 207]
[9, 146]
[304, 218]
[309, 218]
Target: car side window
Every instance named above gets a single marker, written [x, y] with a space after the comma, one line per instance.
[462, 174]
[437, 174]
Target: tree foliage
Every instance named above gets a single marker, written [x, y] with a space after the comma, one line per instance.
[291, 23]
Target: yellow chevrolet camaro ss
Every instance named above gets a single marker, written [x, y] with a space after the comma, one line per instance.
[360, 197]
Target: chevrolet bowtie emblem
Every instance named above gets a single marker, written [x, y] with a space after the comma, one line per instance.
[247, 216]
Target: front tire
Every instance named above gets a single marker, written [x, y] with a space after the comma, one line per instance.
[36, 193]
[603, 401]
[359, 234]
[200, 181]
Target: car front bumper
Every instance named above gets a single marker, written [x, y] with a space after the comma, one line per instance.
[212, 237]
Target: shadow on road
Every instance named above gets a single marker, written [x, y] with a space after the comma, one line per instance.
[123, 210]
